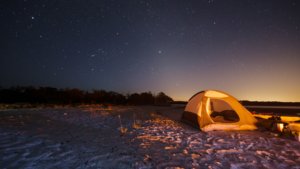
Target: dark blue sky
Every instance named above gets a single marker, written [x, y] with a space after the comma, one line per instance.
[250, 49]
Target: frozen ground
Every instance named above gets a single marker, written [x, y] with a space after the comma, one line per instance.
[89, 137]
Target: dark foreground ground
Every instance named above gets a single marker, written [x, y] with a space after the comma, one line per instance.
[152, 137]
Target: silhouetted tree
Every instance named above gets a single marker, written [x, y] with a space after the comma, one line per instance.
[147, 98]
[162, 99]
[134, 99]
[50, 95]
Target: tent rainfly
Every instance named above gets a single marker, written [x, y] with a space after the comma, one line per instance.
[215, 110]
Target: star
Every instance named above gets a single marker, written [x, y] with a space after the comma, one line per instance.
[189, 40]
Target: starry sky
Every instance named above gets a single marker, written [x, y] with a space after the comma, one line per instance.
[248, 48]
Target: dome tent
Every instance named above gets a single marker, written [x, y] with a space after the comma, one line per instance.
[216, 110]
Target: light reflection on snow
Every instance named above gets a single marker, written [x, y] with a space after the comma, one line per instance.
[178, 146]
[89, 138]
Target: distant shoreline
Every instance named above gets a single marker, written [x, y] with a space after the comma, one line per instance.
[275, 110]
[258, 103]
[273, 107]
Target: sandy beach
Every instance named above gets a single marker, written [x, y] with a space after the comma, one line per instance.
[89, 137]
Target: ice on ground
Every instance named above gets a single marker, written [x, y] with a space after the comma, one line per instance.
[89, 137]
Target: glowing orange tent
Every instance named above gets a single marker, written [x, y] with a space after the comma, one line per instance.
[216, 110]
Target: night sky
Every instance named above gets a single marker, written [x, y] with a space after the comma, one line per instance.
[248, 48]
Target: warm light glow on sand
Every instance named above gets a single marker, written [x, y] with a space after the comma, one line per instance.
[280, 127]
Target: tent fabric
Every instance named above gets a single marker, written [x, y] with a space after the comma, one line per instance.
[216, 110]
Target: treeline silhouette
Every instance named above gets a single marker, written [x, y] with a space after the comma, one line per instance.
[51, 95]
[268, 103]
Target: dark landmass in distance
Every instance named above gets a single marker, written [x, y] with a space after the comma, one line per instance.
[51, 95]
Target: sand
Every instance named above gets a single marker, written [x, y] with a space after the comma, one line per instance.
[89, 137]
